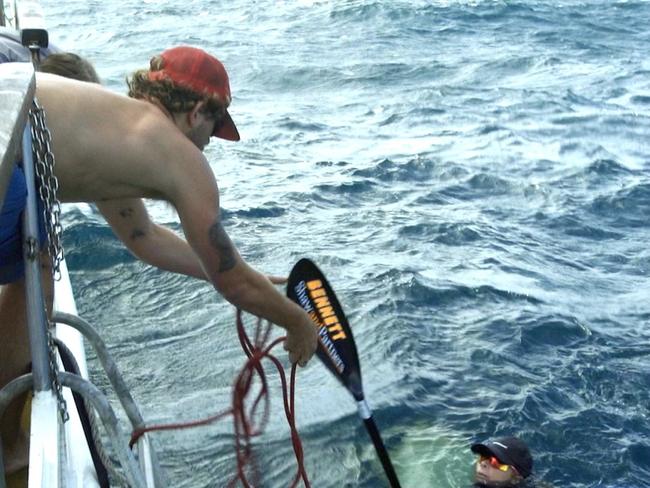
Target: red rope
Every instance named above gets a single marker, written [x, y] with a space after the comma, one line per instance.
[244, 415]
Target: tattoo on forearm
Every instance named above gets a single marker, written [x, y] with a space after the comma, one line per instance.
[223, 245]
[136, 234]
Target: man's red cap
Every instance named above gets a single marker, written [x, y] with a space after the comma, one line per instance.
[195, 69]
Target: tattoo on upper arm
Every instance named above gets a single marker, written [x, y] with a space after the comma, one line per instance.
[126, 212]
[223, 245]
[137, 233]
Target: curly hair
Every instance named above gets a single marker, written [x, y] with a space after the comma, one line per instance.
[175, 98]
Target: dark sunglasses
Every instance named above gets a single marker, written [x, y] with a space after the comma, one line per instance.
[219, 120]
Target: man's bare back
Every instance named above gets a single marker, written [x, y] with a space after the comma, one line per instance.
[108, 147]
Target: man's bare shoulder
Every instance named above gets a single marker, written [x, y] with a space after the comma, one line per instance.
[92, 109]
[51, 85]
[57, 92]
[108, 145]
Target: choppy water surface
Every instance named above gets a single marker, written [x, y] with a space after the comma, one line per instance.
[472, 176]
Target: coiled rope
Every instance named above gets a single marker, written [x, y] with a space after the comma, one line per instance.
[246, 411]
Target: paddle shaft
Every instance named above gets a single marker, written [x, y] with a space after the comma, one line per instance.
[371, 427]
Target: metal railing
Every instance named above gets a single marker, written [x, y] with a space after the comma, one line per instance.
[7, 13]
[148, 457]
[135, 475]
[141, 470]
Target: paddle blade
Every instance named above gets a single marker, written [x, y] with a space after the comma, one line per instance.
[308, 287]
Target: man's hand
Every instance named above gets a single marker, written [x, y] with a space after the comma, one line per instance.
[301, 343]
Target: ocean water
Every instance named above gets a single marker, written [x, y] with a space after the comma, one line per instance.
[474, 179]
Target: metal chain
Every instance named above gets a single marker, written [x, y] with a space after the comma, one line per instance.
[56, 385]
[47, 187]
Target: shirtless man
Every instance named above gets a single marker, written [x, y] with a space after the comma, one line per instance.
[115, 150]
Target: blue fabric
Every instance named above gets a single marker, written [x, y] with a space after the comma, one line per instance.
[12, 267]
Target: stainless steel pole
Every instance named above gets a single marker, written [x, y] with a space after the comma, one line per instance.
[36, 318]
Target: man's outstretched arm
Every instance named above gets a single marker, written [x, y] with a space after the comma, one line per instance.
[152, 243]
[250, 290]
[197, 202]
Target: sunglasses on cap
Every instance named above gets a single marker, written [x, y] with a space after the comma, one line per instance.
[495, 463]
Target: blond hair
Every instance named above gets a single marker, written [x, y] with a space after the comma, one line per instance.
[69, 65]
